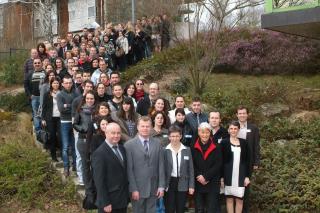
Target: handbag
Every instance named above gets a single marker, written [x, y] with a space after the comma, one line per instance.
[43, 136]
[88, 202]
[119, 52]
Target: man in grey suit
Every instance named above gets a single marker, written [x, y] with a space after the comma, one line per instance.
[145, 168]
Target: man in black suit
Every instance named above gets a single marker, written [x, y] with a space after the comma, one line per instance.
[250, 133]
[64, 47]
[110, 173]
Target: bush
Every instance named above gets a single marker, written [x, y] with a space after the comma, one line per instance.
[153, 69]
[180, 86]
[11, 69]
[25, 172]
[266, 52]
[288, 180]
[17, 103]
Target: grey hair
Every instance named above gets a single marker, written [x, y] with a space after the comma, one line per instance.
[204, 125]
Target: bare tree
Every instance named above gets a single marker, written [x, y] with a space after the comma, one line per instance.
[207, 39]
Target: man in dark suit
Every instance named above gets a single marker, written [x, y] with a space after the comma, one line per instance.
[110, 173]
[146, 102]
[218, 132]
[64, 47]
[145, 168]
[250, 133]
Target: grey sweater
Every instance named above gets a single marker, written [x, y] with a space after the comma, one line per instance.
[64, 101]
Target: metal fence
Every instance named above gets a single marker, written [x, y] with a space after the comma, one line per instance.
[11, 52]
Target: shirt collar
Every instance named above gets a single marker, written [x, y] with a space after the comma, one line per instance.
[245, 125]
[110, 145]
[143, 139]
[180, 149]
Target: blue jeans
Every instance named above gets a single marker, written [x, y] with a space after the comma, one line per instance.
[35, 103]
[67, 139]
[160, 205]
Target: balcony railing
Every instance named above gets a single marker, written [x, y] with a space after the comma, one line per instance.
[272, 6]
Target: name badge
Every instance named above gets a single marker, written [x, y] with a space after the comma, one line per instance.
[248, 130]
[186, 157]
[165, 136]
[219, 140]
[188, 136]
[95, 126]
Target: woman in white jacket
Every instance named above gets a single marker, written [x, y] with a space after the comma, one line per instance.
[122, 49]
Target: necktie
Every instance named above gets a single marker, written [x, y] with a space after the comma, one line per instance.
[145, 146]
[116, 150]
[177, 159]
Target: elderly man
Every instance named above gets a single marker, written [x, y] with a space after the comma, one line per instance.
[146, 102]
[110, 173]
[145, 168]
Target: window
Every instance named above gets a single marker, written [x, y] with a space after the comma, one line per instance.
[37, 24]
[91, 11]
[72, 15]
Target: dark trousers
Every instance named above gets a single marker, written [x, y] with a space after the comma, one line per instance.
[54, 132]
[122, 63]
[124, 210]
[208, 201]
[175, 201]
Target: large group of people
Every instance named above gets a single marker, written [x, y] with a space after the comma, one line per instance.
[125, 142]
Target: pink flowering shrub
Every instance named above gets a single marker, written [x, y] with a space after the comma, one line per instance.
[267, 52]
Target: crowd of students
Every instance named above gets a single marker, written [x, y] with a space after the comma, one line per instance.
[126, 142]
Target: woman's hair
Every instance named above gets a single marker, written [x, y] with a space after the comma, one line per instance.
[131, 114]
[234, 123]
[46, 79]
[127, 87]
[43, 46]
[103, 103]
[153, 117]
[83, 101]
[98, 122]
[153, 109]
[96, 88]
[62, 62]
[174, 105]
[180, 111]
[174, 128]
[56, 78]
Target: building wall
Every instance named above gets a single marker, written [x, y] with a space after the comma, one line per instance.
[82, 13]
[16, 30]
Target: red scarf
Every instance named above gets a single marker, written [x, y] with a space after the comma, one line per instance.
[139, 94]
[210, 149]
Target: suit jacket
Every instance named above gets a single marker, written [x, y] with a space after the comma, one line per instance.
[253, 139]
[145, 170]
[186, 178]
[110, 177]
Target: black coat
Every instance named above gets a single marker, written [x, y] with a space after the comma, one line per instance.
[47, 107]
[186, 132]
[253, 140]
[207, 164]
[110, 177]
[222, 133]
[244, 169]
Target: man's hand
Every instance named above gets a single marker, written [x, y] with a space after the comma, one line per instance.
[135, 195]
[191, 191]
[202, 180]
[255, 167]
[160, 193]
[107, 208]
[43, 122]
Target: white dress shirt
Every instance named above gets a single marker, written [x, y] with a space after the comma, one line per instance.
[176, 160]
[243, 131]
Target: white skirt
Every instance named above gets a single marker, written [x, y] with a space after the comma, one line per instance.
[234, 191]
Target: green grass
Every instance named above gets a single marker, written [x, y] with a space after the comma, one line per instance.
[26, 177]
